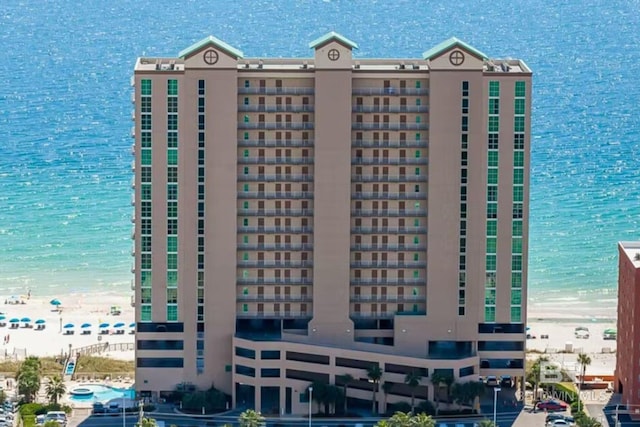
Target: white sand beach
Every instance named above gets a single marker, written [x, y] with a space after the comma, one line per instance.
[75, 309]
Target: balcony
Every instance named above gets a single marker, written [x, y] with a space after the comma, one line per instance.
[276, 125]
[276, 246]
[387, 247]
[133, 116]
[276, 264]
[276, 212]
[275, 160]
[390, 109]
[377, 195]
[388, 212]
[271, 315]
[133, 132]
[283, 230]
[274, 281]
[386, 230]
[275, 143]
[388, 178]
[372, 315]
[133, 199]
[389, 161]
[133, 285]
[387, 298]
[276, 178]
[275, 195]
[388, 281]
[274, 298]
[366, 143]
[133, 166]
[275, 108]
[389, 126]
[388, 91]
[133, 150]
[276, 90]
[388, 264]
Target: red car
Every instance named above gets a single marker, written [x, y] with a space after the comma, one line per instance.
[551, 405]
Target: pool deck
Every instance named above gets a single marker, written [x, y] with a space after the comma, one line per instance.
[122, 383]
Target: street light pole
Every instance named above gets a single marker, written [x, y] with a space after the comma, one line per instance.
[495, 401]
[124, 416]
[310, 400]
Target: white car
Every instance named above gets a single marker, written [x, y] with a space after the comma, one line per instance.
[560, 423]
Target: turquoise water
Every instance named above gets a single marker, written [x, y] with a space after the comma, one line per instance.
[65, 119]
[103, 393]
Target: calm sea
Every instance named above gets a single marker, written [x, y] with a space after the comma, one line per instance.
[65, 117]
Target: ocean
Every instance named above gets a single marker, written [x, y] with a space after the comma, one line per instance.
[65, 118]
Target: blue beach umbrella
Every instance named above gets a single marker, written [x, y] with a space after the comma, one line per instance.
[26, 320]
[103, 325]
[85, 325]
[40, 322]
[14, 320]
[132, 325]
[55, 302]
[68, 326]
[119, 325]
[3, 317]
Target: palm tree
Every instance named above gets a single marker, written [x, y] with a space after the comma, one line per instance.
[251, 418]
[448, 381]
[346, 379]
[55, 389]
[422, 420]
[436, 379]
[147, 422]
[374, 373]
[386, 389]
[584, 361]
[485, 423]
[412, 379]
[400, 419]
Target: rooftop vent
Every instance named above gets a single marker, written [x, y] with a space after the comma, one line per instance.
[260, 63]
[416, 66]
[305, 65]
[637, 257]
[402, 66]
[357, 65]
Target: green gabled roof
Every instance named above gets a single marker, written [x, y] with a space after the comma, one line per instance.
[448, 44]
[215, 42]
[319, 42]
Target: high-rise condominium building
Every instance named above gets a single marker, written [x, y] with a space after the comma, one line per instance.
[297, 220]
[628, 355]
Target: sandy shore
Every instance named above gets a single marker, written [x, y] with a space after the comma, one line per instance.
[76, 309]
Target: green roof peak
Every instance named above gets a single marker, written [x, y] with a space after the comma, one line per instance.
[448, 44]
[232, 51]
[331, 36]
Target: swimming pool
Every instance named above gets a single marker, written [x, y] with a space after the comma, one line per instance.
[91, 393]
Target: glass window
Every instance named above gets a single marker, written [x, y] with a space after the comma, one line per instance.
[246, 135]
[145, 139]
[172, 261]
[518, 159]
[520, 89]
[245, 222]
[172, 313]
[492, 193]
[518, 193]
[516, 245]
[519, 106]
[518, 124]
[492, 210]
[417, 154]
[518, 141]
[145, 261]
[494, 124]
[172, 105]
[418, 84]
[247, 83]
[172, 244]
[245, 153]
[490, 296]
[418, 119]
[245, 308]
[492, 159]
[246, 119]
[245, 256]
[416, 240]
[492, 228]
[246, 100]
[245, 239]
[172, 296]
[516, 280]
[172, 209]
[145, 313]
[245, 205]
[172, 87]
[145, 157]
[416, 257]
[493, 141]
[516, 228]
[492, 177]
[145, 87]
[245, 187]
[417, 171]
[172, 122]
[417, 137]
[494, 88]
[145, 296]
[465, 88]
[491, 262]
[416, 274]
[172, 157]
[516, 314]
[418, 101]
[518, 176]
[172, 140]
[491, 245]
[494, 106]
[516, 262]
[172, 279]
[172, 192]
[489, 314]
[145, 104]
[145, 279]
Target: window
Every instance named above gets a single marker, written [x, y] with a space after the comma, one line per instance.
[516, 262]
[245, 308]
[172, 279]
[145, 87]
[172, 157]
[145, 157]
[246, 119]
[494, 88]
[493, 141]
[519, 106]
[518, 159]
[417, 171]
[245, 153]
[516, 314]
[492, 177]
[145, 313]
[172, 313]
[465, 105]
[516, 280]
[172, 261]
[172, 87]
[518, 124]
[518, 176]
[172, 140]
[490, 262]
[172, 244]
[172, 105]
[172, 296]
[492, 159]
[520, 89]
[516, 296]
[418, 84]
[516, 228]
[489, 314]
[494, 124]
[245, 205]
[172, 122]
[490, 296]
[465, 88]
[518, 141]
[518, 193]
[494, 106]
[418, 137]
[491, 245]
[172, 209]
[464, 124]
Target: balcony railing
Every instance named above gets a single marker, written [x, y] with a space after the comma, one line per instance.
[275, 108]
[384, 230]
[387, 247]
[276, 90]
[276, 178]
[276, 264]
[388, 264]
[274, 298]
[389, 126]
[387, 298]
[275, 160]
[275, 195]
[274, 281]
[385, 314]
[390, 109]
[275, 142]
[388, 212]
[275, 212]
[388, 281]
[388, 91]
[271, 315]
[389, 178]
[284, 230]
[389, 144]
[388, 196]
[451, 355]
[276, 246]
[389, 161]
[276, 125]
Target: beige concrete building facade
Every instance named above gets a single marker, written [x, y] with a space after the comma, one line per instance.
[297, 220]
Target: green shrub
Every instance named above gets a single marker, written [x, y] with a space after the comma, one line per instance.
[32, 409]
[28, 420]
[567, 390]
[426, 407]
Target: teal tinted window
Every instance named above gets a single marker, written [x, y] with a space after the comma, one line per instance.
[494, 88]
[172, 157]
[518, 124]
[145, 157]
[145, 87]
[172, 87]
[520, 89]
[518, 176]
[145, 313]
[494, 124]
[492, 228]
[172, 244]
[518, 159]
[493, 159]
[172, 313]
[516, 228]
[494, 106]
[519, 106]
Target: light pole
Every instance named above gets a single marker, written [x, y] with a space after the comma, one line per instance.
[310, 400]
[124, 416]
[495, 401]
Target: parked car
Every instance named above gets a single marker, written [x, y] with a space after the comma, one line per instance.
[492, 381]
[58, 416]
[551, 405]
[506, 381]
[553, 417]
[560, 423]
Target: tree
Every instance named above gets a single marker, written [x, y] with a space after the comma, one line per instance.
[400, 419]
[485, 423]
[588, 422]
[55, 389]
[28, 378]
[251, 418]
[584, 361]
[147, 422]
[412, 379]
[386, 389]
[533, 374]
[346, 379]
[320, 395]
[374, 373]
[405, 419]
[423, 420]
[465, 394]
[51, 423]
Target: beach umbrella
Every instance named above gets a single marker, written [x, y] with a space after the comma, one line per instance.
[132, 325]
[3, 317]
[85, 325]
[68, 326]
[103, 325]
[55, 302]
[119, 325]
[610, 331]
[26, 320]
[40, 322]
[14, 320]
